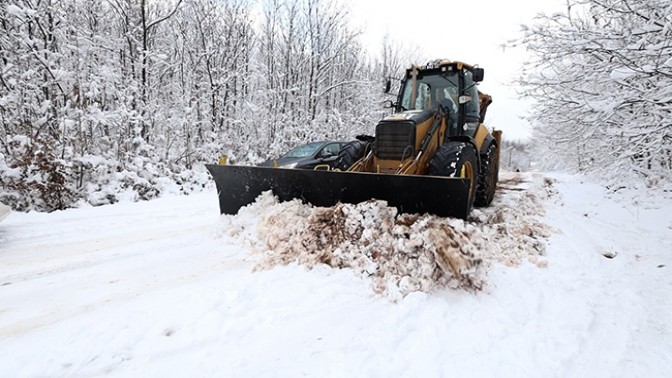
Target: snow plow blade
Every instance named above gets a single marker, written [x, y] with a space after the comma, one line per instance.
[238, 186]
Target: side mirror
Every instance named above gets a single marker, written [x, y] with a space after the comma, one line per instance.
[478, 74]
[388, 86]
[388, 104]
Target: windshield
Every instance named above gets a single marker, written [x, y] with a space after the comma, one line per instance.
[304, 150]
[430, 91]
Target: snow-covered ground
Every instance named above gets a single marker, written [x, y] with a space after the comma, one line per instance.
[574, 281]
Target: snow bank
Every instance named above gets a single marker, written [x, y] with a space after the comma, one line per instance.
[399, 253]
[513, 223]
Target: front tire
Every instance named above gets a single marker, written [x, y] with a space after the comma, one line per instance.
[350, 153]
[457, 159]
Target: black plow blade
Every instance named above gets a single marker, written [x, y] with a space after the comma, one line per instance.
[238, 186]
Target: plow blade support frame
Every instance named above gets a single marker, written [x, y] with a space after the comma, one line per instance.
[238, 186]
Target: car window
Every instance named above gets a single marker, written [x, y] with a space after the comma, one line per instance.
[330, 150]
[303, 150]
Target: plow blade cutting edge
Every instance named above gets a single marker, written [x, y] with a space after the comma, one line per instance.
[238, 186]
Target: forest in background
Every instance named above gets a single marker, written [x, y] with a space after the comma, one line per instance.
[99, 98]
[103, 100]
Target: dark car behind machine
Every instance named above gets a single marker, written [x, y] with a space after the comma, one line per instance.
[308, 156]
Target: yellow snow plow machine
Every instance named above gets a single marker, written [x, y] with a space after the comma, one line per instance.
[433, 155]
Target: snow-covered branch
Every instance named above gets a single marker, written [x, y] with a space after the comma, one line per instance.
[601, 79]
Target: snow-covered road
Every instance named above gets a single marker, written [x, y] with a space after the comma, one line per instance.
[158, 289]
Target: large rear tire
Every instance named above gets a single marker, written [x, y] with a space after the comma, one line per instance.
[457, 159]
[350, 153]
[488, 177]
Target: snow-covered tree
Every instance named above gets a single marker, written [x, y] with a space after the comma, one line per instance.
[516, 155]
[601, 75]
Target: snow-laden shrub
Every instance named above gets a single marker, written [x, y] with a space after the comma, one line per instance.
[106, 180]
[32, 177]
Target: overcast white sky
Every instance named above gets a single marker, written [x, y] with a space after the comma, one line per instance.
[470, 31]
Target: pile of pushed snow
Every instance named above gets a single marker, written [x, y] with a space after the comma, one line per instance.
[399, 253]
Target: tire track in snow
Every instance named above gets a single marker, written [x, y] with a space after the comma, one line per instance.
[79, 272]
[100, 251]
[53, 315]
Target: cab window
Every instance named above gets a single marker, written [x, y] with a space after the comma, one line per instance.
[472, 107]
[422, 96]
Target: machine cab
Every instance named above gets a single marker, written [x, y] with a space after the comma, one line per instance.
[449, 84]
